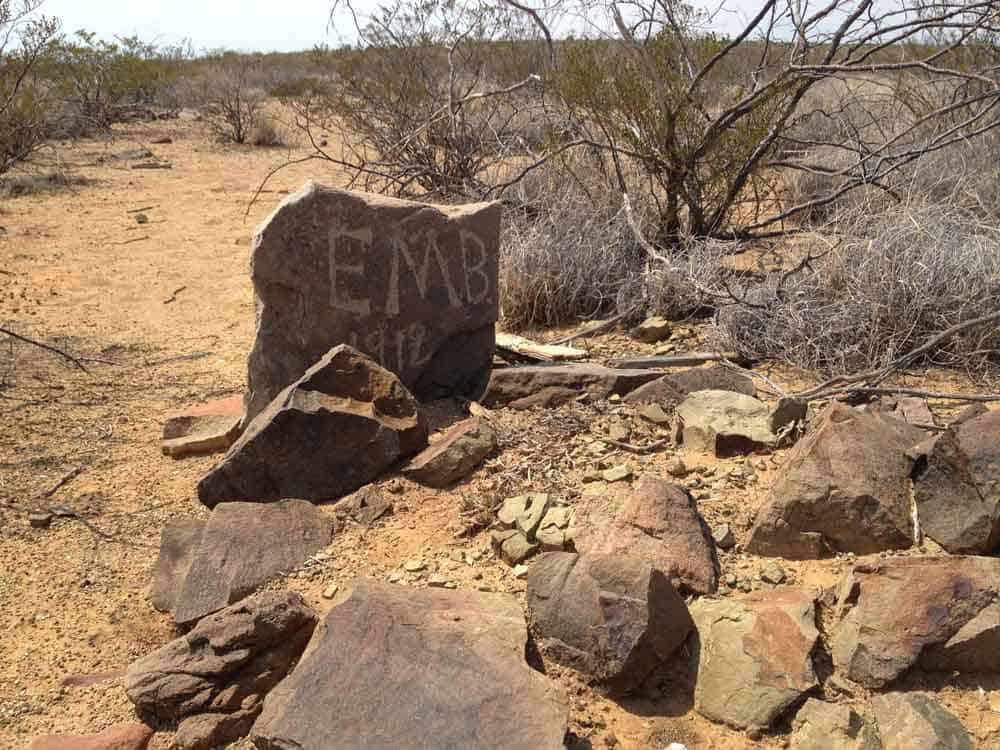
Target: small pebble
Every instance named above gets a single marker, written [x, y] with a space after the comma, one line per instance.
[677, 468]
[331, 591]
[520, 571]
[414, 566]
[616, 473]
[773, 573]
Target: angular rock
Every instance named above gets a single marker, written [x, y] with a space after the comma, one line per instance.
[828, 726]
[554, 532]
[546, 398]
[845, 486]
[754, 656]
[724, 423]
[125, 736]
[670, 390]
[202, 429]
[652, 330]
[225, 665]
[509, 384]
[393, 667]
[244, 545]
[413, 286]
[331, 432]
[179, 540]
[658, 523]
[211, 731]
[957, 488]
[916, 720]
[654, 413]
[454, 455]
[895, 612]
[974, 648]
[525, 512]
[613, 617]
[365, 506]
[513, 546]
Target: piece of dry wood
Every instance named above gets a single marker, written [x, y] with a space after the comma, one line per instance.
[140, 210]
[593, 330]
[134, 239]
[173, 295]
[518, 348]
[63, 480]
[636, 448]
[55, 350]
[677, 360]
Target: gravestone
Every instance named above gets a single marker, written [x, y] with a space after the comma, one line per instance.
[412, 285]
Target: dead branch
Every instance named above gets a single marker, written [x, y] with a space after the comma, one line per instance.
[41, 345]
[636, 448]
[63, 480]
[677, 360]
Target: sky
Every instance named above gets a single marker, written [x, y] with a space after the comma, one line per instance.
[245, 25]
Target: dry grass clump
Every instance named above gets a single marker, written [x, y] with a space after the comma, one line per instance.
[566, 252]
[901, 274]
[266, 134]
[17, 186]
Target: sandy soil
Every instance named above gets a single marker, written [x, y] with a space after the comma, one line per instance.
[164, 312]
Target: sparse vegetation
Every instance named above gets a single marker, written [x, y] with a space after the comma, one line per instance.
[235, 105]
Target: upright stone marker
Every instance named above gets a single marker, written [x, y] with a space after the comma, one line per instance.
[413, 286]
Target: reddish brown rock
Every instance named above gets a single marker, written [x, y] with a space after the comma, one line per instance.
[902, 609]
[412, 285]
[754, 656]
[395, 667]
[179, 540]
[670, 390]
[454, 454]
[125, 736]
[844, 487]
[206, 428]
[957, 489]
[334, 430]
[659, 524]
[224, 666]
[612, 617]
[516, 384]
[244, 545]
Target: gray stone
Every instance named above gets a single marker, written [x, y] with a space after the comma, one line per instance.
[612, 617]
[513, 384]
[670, 390]
[179, 541]
[773, 574]
[244, 545]
[225, 665]
[845, 485]
[653, 413]
[957, 488]
[525, 512]
[828, 726]
[754, 656]
[454, 454]
[413, 286]
[513, 546]
[334, 430]
[395, 667]
[724, 423]
[907, 721]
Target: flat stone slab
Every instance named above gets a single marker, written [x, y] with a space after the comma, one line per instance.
[206, 428]
[244, 545]
[412, 285]
[454, 454]
[179, 540]
[125, 736]
[918, 720]
[394, 667]
[513, 384]
[670, 390]
[724, 423]
[754, 656]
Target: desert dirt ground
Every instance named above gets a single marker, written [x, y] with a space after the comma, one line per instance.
[164, 312]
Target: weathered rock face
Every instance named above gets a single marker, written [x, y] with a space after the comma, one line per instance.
[412, 285]
[224, 666]
[242, 546]
[658, 523]
[393, 667]
[903, 610]
[670, 390]
[206, 428]
[612, 617]
[845, 486]
[332, 431]
[365, 506]
[454, 455]
[127, 736]
[828, 726]
[179, 541]
[958, 487]
[724, 423]
[915, 720]
[523, 385]
[754, 656]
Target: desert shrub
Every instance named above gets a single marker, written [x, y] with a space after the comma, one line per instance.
[17, 186]
[235, 106]
[266, 133]
[26, 109]
[903, 272]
